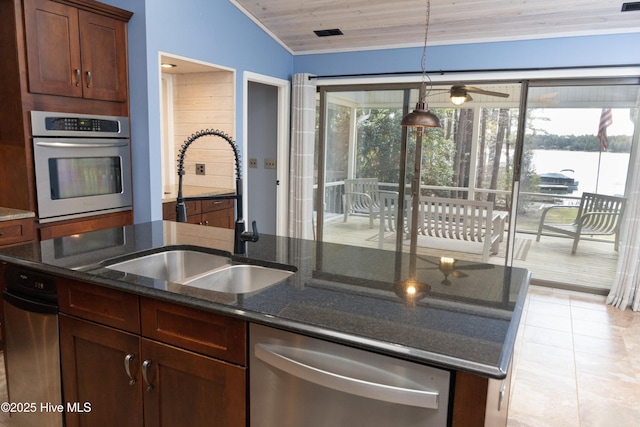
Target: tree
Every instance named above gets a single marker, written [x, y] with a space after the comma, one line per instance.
[379, 143]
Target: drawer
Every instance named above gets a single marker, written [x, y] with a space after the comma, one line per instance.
[197, 330]
[169, 209]
[216, 205]
[99, 304]
[16, 231]
[221, 218]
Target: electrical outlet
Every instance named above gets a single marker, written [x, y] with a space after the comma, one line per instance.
[269, 163]
[199, 168]
[253, 163]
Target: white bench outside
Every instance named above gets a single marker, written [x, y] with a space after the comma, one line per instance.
[449, 224]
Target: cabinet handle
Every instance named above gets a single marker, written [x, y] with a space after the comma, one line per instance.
[88, 78]
[217, 202]
[145, 375]
[501, 394]
[127, 367]
[205, 223]
[77, 76]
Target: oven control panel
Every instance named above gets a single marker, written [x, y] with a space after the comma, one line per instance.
[74, 125]
[81, 124]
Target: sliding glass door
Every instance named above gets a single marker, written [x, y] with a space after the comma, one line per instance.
[579, 139]
[361, 139]
[576, 137]
[470, 158]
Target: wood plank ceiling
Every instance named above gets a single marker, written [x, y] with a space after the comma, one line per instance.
[374, 24]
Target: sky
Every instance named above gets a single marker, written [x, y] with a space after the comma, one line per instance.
[581, 121]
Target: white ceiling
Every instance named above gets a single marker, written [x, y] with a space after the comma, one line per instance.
[374, 24]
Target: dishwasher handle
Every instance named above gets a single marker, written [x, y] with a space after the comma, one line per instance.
[30, 305]
[383, 392]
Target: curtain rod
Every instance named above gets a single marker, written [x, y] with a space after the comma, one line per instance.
[478, 70]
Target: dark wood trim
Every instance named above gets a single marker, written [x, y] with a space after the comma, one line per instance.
[470, 400]
[99, 8]
[83, 225]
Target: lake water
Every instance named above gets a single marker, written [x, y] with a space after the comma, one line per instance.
[612, 167]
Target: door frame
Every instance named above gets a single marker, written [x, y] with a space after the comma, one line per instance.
[282, 170]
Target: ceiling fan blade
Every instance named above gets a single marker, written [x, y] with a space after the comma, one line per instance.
[459, 274]
[435, 92]
[475, 267]
[482, 91]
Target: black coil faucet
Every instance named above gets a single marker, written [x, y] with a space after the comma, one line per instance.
[241, 235]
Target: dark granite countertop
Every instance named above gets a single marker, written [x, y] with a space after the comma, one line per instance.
[345, 294]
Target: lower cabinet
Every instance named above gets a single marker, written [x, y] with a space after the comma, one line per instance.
[214, 213]
[182, 388]
[120, 378]
[93, 371]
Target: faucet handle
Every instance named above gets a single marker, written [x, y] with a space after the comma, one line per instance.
[250, 236]
[253, 236]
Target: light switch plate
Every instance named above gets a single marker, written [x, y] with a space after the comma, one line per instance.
[269, 163]
[253, 163]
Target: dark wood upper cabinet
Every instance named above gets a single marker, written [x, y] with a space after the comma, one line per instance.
[74, 52]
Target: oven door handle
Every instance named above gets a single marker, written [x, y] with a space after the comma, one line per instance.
[82, 144]
[276, 356]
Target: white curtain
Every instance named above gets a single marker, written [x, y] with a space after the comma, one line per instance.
[303, 117]
[625, 291]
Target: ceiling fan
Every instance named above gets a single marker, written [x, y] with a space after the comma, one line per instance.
[460, 94]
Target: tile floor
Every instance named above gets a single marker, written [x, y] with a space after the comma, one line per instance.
[576, 363]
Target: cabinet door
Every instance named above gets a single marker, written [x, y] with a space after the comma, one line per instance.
[94, 371]
[103, 47]
[188, 389]
[222, 218]
[53, 48]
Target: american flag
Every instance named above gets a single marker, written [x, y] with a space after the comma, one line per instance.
[605, 121]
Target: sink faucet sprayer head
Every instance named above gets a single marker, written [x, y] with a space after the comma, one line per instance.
[241, 235]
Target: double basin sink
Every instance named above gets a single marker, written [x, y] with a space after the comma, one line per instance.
[202, 270]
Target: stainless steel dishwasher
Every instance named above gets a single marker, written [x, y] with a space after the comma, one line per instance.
[32, 348]
[301, 381]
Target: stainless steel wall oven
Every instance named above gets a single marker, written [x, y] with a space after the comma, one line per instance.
[82, 164]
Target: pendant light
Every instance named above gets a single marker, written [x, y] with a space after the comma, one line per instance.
[421, 117]
[411, 290]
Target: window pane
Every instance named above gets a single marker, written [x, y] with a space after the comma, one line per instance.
[578, 140]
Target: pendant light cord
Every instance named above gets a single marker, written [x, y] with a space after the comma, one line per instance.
[423, 88]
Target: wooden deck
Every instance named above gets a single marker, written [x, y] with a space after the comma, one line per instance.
[550, 261]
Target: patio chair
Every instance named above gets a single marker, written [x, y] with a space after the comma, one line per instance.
[598, 215]
[361, 196]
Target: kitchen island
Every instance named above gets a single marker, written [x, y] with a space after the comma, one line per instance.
[463, 323]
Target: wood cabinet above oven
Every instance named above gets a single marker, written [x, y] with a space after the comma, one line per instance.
[44, 43]
[74, 52]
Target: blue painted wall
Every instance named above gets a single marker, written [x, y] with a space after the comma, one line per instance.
[616, 49]
[215, 31]
[212, 31]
